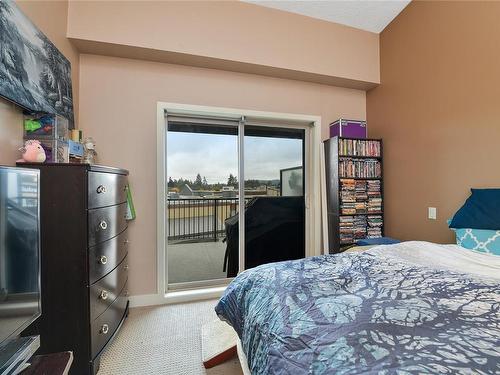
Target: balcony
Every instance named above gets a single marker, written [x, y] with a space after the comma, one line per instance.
[199, 219]
[195, 238]
[196, 261]
[274, 231]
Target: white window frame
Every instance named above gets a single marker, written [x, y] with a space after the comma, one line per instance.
[312, 192]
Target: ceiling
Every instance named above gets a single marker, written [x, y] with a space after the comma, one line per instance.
[369, 15]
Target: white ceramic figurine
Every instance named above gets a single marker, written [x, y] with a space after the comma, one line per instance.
[90, 156]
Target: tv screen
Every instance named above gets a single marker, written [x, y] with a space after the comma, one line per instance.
[19, 251]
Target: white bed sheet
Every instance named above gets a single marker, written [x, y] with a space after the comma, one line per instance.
[451, 257]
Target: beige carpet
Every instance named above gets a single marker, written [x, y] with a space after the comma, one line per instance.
[163, 340]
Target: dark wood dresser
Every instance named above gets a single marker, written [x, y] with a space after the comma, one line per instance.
[84, 260]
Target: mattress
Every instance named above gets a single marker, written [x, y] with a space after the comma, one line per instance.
[413, 307]
[359, 248]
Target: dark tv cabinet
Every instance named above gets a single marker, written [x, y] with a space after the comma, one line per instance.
[84, 269]
[336, 153]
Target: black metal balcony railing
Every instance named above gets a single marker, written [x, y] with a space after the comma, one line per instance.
[199, 218]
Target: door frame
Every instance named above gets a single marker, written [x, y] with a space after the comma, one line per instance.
[312, 189]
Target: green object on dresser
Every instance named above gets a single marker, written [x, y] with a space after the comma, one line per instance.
[131, 215]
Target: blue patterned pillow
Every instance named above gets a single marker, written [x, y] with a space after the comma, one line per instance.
[483, 240]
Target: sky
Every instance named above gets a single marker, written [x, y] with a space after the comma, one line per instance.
[216, 156]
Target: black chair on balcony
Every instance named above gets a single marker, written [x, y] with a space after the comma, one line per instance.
[274, 232]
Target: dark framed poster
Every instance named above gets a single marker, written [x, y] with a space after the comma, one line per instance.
[33, 73]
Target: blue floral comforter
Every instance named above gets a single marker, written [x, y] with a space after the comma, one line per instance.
[364, 314]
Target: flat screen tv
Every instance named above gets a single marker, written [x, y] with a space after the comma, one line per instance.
[19, 263]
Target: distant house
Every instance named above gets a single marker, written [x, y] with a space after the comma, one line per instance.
[186, 190]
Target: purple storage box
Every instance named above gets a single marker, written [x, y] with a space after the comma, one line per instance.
[348, 129]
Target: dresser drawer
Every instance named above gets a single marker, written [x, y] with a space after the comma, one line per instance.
[106, 223]
[103, 328]
[106, 189]
[106, 256]
[105, 291]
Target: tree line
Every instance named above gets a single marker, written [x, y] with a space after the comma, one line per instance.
[200, 183]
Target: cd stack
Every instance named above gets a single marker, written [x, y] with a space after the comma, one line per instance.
[348, 197]
[360, 207]
[360, 228]
[374, 226]
[358, 147]
[346, 229]
[359, 168]
[374, 196]
[361, 196]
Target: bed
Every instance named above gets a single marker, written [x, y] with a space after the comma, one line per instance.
[413, 307]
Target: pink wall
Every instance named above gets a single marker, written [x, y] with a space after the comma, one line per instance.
[11, 132]
[250, 37]
[51, 18]
[118, 100]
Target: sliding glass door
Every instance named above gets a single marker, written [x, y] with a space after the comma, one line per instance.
[206, 159]
[274, 190]
[202, 170]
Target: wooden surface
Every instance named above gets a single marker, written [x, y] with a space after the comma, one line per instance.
[49, 364]
[67, 322]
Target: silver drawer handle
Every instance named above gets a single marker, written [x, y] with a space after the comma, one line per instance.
[103, 259]
[101, 189]
[103, 295]
[104, 329]
[126, 242]
[103, 225]
[126, 267]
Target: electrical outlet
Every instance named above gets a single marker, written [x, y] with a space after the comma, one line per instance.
[432, 213]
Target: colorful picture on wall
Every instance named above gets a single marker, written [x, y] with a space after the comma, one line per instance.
[33, 73]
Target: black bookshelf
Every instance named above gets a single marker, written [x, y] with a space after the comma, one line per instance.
[361, 156]
[363, 213]
[333, 154]
[360, 178]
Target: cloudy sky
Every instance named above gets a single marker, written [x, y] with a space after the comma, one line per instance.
[216, 156]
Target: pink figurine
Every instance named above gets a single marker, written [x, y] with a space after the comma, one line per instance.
[33, 152]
